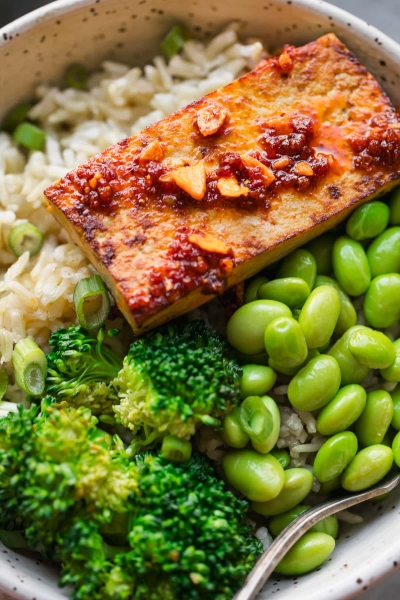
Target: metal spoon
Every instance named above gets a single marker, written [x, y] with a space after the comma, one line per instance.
[288, 537]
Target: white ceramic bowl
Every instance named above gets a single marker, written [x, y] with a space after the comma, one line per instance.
[38, 46]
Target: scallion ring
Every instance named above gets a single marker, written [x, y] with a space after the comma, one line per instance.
[175, 449]
[173, 41]
[92, 302]
[15, 116]
[76, 76]
[30, 367]
[3, 383]
[30, 136]
[25, 237]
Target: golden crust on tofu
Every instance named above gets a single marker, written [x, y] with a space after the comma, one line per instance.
[210, 195]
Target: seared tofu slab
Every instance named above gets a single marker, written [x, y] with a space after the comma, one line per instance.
[215, 192]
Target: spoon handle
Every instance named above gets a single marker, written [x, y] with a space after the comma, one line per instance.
[269, 560]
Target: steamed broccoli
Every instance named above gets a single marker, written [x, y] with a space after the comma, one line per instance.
[80, 369]
[175, 378]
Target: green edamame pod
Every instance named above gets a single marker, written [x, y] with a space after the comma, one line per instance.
[368, 467]
[375, 419]
[335, 455]
[319, 316]
[307, 554]
[350, 266]
[394, 205]
[267, 442]
[259, 477]
[396, 408]
[382, 301]
[392, 373]
[282, 456]
[352, 371]
[372, 348]
[251, 288]
[246, 327]
[343, 410]
[300, 263]
[384, 253]
[285, 342]
[277, 524]
[315, 384]
[232, 430]
[348, 315]
[298, 484]
[368, 221]
[396, 449]
[256, 380]
[321, 249]
[292, 291]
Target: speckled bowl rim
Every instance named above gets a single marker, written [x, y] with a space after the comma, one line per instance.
[363, 30]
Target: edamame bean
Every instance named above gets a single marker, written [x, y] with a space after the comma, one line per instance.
[350, 266]
[394, 205]
[277, 524]
[259, 477]
[246, 327]
[261, 420]
[315, 384]
[256, 380]
[298, 484]
[282, 456]
[343, 410]
[252, 287]
[335, 455]
[319, 315]
[321, 249]
[352, 371]
[396, 408]
[396, 449]
[368, 467]
[392, 373]
[307, 554]
[285, 342]
[292, 291]
[375, 419]
[382, 301]
[300, 263]
[292, 371]
[372, 348]
[260, 358]
[232, 430]
[269, 439]
[368, 221]
[330, 486]
[348, 315]
[384, 253]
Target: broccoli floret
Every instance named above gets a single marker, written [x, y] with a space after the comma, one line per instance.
[175, 378]
[80, 369]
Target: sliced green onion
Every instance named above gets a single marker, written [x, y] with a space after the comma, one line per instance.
[173, 41]
[176, 449]
[25, 237]
[76, 76]
[256, 419]
[3, 382]
[15, 116]
[92, 302]
[30, 367]
[30, 136]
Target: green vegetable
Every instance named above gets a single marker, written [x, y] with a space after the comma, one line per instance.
[15, 116]
[347, 316]
[291, 291]
[282, 456]
[329, 487]
[298, 484]
[352, 371]
[277, 524]
[292, 371]
[350, 266]
[173, 41]
[30, 136]
[315, 384]
[233, 433]
[25, 237]
[259, 358]
[76, 76]
[175, 449]
[396, 449]
[368, 221]
[175, 378]
[259, 477]
[392, 373]
[30, 367]
[299, 263]
[375, 419]
[82, 368]
[245, 328]
[321, 249]
[319, 315]
[394, 205]
[3, 383]
[92, 302]
[384, 253]
[382, 301]
[267, 440]
[396, 408]
[256, 380]
[372, 348]
[256, 420]
[251, 288]
[285, 342]
[368, 467]
[334, 456]
[342, 411]
[307, 554]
